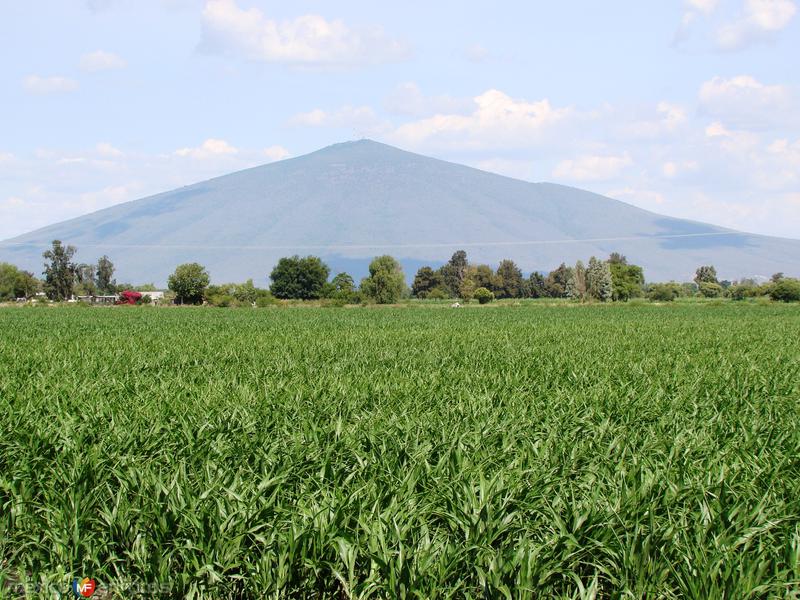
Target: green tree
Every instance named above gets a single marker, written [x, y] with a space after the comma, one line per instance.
[189, 282]
[510, 283]
[705, 274]
[576, 284]
[342, 287]
[556, 282]
[664, 292]
[85, 284]
[478, 276]
[627, 280]
[483, 296]
[299, 278]
[599, 282]
[425, 281]
[15, 283]
[106, 284]
[59, 272]
[710, 290]
[454, 272]
[786, 290]
[246, 292]
[617, 259]
[537, 287]
[385, 284]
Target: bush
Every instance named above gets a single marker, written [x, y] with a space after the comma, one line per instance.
[710, 290]
[664, 292]
[437, 294]
[483, 296]
[786, 290]
[740, 291]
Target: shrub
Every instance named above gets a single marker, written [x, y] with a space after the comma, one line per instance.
[710, 290]
[740, 291]
[483, 296]
[437, 294]
[786, 290]
[664, 292]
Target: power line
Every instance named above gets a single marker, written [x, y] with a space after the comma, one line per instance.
[387, 246]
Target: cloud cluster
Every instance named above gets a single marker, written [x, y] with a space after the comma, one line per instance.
[756, 21]
[760, 20]
[34, 84]
[496, 120]
[309, 40]
[101, 61]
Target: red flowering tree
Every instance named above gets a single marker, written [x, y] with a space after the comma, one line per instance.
[129, 297]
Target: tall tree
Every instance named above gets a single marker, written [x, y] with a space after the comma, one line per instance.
[576, 284]
[15, 283]
[341, 287]
[59, 272]
[85, 284]
[386, 283]
[299, 278]
[106, 283]
[509, 279]
[189, 282]
[556, 282]
[454, 272]
[425, 281]
[627, 281]
[600, 285]
[599, 282]
[705, 274]
[617, 259]
[536, 285]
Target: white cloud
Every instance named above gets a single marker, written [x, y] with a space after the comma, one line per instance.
[6, 157]
[592, 168]
[496, 120]
[408, 99]
[106, 149]
[276, 153]
[667, 119]
[34, 84]
[745, 102]
[305, 40]
[211, 148]
[101, 61]
[760, 21]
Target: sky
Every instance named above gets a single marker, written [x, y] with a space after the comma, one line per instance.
[689, 108]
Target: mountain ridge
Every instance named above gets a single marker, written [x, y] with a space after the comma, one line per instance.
[350, 201]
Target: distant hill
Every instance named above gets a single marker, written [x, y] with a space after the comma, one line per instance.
[351, 201]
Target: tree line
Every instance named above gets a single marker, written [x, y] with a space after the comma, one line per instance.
[308, 278]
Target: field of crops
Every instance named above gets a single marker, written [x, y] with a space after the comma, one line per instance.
[503, 452]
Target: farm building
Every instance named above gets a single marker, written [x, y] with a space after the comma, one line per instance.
[109, 299]
[154, 296]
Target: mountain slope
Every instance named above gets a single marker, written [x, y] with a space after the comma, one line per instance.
[351, 201]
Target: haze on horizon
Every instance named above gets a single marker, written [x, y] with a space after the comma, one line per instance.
[686, 108]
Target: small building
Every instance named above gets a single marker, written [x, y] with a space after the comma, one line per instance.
[154, 296]
[111, 299]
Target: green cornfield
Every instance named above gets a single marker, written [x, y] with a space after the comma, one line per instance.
[421, 452]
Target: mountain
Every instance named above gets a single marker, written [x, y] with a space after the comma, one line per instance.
[351, 201]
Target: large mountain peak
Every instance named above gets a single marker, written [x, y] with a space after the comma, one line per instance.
[351, 201]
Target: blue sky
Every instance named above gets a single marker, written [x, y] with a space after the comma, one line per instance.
[689, 108]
